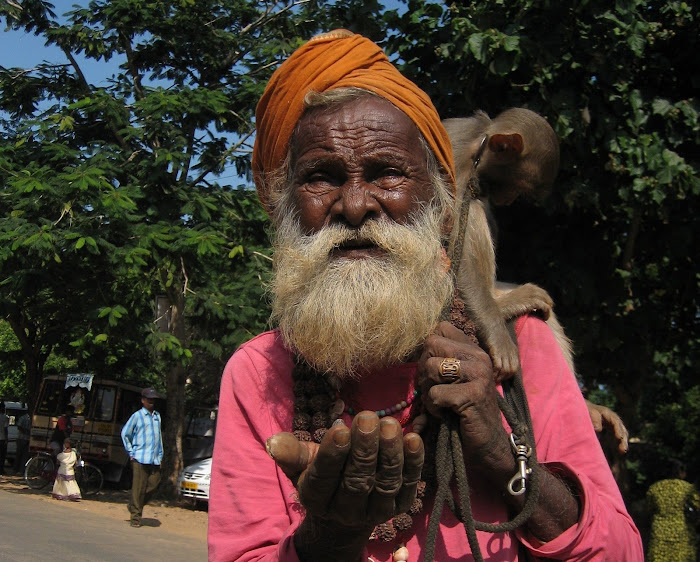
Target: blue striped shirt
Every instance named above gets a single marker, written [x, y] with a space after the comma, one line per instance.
[142, 437]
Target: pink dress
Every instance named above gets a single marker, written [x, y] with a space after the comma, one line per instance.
[252, 509]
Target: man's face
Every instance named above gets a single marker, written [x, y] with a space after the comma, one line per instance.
[148, 403]
[361, 161]
[359, 278]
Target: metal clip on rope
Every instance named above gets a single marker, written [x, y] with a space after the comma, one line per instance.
[522, 455]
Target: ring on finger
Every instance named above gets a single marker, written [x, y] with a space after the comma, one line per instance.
[449, 369]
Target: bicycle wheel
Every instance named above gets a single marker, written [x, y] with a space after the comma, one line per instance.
[89, 479]
[39, 472]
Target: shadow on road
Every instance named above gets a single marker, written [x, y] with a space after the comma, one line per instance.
[110, 493]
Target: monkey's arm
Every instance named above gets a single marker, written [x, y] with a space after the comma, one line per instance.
[523, 299]
[475, 279]
[602, 418]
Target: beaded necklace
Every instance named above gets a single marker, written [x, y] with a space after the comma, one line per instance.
[395, 409]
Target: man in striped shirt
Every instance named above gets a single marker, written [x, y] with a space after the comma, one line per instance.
[143, 442]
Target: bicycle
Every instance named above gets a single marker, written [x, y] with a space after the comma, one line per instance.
[41, 471]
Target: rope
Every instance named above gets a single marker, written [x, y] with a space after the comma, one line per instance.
[456, 257]
[444, 468]
[470, 525]
[449, 462]
[449, 456]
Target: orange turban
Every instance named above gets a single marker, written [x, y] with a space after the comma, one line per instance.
[338, 59]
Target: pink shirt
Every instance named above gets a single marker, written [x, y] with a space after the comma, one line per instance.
[252, 507]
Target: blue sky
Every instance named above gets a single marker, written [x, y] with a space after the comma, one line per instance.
[24, 50]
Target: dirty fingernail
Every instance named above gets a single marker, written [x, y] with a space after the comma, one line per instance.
[366, 423]
[269, 445]
[388, 429]
[341, 438]
[413, 444]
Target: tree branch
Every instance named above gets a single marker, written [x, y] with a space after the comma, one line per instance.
[88, 89]
[223, 157]
[263, 20]
[632, 235]
[128, 51]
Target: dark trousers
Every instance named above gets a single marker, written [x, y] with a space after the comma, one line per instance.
[21, 454]
[145, 480]
[3, 454]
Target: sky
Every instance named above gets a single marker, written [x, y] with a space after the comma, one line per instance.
[24, 50]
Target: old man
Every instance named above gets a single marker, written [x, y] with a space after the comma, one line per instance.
[316, 457]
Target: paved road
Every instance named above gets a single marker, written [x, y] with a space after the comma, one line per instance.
[32, 530]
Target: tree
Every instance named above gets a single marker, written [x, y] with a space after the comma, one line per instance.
[110, 192]
[618, 82]
[11, 382]
[113, 196]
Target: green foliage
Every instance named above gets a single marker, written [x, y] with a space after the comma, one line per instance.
[12, 380]
[614, 242]
[674, 504]
[676, 419]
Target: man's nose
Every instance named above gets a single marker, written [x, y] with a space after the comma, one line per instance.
[356, 203]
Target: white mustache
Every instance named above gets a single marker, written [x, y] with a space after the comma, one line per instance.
[388, 236]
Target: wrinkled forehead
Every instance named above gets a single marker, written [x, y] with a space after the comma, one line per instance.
[365, 118]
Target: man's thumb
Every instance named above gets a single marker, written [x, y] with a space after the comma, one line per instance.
[290, 454]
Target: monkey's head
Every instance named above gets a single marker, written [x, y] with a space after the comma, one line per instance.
[521, 157]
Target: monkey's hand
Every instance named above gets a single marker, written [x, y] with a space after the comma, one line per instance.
[523, 299]
[503, 352]
[602, 418]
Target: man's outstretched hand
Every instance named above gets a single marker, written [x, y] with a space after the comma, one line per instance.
[358, 476]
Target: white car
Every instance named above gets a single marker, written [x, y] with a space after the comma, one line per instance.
[194, 480]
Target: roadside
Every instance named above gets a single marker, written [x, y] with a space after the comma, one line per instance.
[181, 517]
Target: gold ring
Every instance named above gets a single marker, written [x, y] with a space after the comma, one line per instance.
[449, 369]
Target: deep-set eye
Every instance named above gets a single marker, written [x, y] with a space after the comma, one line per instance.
[388, 177]
[392, 172]
[319, 177]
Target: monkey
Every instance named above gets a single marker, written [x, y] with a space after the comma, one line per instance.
[514, 302]
[515, 154]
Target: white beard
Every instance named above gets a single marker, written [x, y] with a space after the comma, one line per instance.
[344, 315]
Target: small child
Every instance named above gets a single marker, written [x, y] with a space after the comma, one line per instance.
[65, 487]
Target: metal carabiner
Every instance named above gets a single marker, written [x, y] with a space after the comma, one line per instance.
[522, 454]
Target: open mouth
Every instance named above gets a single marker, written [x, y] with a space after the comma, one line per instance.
[357, 248]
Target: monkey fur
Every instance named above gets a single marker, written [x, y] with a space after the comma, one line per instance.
[515, 154]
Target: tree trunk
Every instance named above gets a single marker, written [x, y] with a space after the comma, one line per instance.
[33, 376]
[33, 359]
[175, 410]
